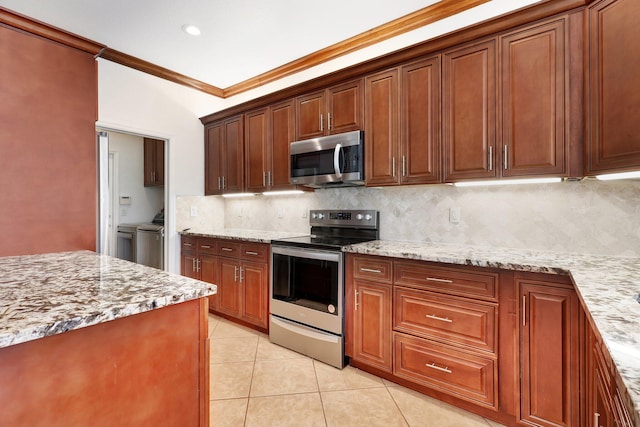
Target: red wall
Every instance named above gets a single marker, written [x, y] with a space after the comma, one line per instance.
[48, 109]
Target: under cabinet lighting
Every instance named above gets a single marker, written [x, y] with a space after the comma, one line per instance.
[507, 182]
[238, 195]
[282, 193]
[622, 175]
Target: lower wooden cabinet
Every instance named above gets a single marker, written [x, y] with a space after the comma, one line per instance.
[240, 270]
[549, 350]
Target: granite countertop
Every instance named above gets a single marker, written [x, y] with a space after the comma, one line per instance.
[42, 295]
[259, 236]
[607, 286]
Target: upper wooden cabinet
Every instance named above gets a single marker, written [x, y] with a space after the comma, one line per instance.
[337, 109]
[268, 133]
[469, 111]
[534, 97]
[506, 111]
[613, 87]
[223, 152]
[153, 162]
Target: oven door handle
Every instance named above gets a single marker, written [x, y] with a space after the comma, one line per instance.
[336, 160]
[306, 253]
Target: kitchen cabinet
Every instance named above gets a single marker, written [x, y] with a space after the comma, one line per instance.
[469, 111]
[549, 350]
[268, 133]
[605, 407]
[420, 122]
[153, 162]
[239, 269]
[382, 130]
[198, 261]
[534, 93]
[369, 308]
[224, 142]
[613, 87]
[334, 110]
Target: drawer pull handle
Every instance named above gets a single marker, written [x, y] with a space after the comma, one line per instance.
[439, 368]
[205, 246]
[370, 270]
[442, 319]
[187, 244]
[251, 253]
[227, 249]
[435, 279]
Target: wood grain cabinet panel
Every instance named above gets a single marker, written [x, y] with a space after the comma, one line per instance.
[256, 150]
[613, 87]
[465, 375]
[382, 131]
[282, 133]
[469, 111]
[452, 320]
[534, 94]
[153, 162]
[224, 156]
[549, 356]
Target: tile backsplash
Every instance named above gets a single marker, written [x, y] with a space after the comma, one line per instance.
[585, 217]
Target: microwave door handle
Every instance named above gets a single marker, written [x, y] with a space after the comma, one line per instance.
[336, 160]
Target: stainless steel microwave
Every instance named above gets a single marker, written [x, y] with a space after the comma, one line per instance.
[329, 161]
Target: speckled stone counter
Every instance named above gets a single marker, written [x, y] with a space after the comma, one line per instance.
[258, 236]
[607, 286]
[42, 295]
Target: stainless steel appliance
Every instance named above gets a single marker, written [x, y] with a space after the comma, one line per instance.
[150, 245]
[329, 161]
[307, 283]
[126, 241]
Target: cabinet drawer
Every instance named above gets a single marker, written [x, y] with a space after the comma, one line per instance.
[455, 281]
[255, 252]
[372, 268]
[446, 318]
[229, 248]
[442, 368]
[207, 245]
[189, 243]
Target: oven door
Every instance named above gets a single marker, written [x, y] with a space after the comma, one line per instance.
[307, 287]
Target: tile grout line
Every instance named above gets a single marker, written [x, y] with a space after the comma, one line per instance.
[324, 413]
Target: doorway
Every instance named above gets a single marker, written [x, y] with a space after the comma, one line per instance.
[126, 195]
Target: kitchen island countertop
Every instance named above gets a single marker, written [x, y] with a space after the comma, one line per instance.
[607, 286]
[43, 295]
[257, 236]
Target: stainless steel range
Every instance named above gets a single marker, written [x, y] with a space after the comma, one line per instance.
[307, 283]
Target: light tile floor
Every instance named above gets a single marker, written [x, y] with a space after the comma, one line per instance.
[255, 383]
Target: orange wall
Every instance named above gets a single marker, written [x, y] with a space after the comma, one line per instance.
[48, 109]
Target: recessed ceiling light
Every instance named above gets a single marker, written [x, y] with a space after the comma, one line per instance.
[191, 29]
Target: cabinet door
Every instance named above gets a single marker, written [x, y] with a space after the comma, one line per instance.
[213, 159]
[469, 109]
[421, 122]
[282, 134]
[310, 115]
[153, 162]
[256, 150]
[533, 101]
[382, 132]
[233, 155]
[255, 290]
[208, 273]
[549, 355]
[344, 107]
[188, 261]
[372, 325]
[228, 286]
[613, 87]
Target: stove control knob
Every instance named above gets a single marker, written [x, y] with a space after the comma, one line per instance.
[314, 215]
[359, 217]
[367, 217]
[320, 216]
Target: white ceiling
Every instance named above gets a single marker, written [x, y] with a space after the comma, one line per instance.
[240, 38]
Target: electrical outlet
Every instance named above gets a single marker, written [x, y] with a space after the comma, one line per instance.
[304, 213]
[194, 210]
[240, 211]
[280, 212]
[454, 215]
